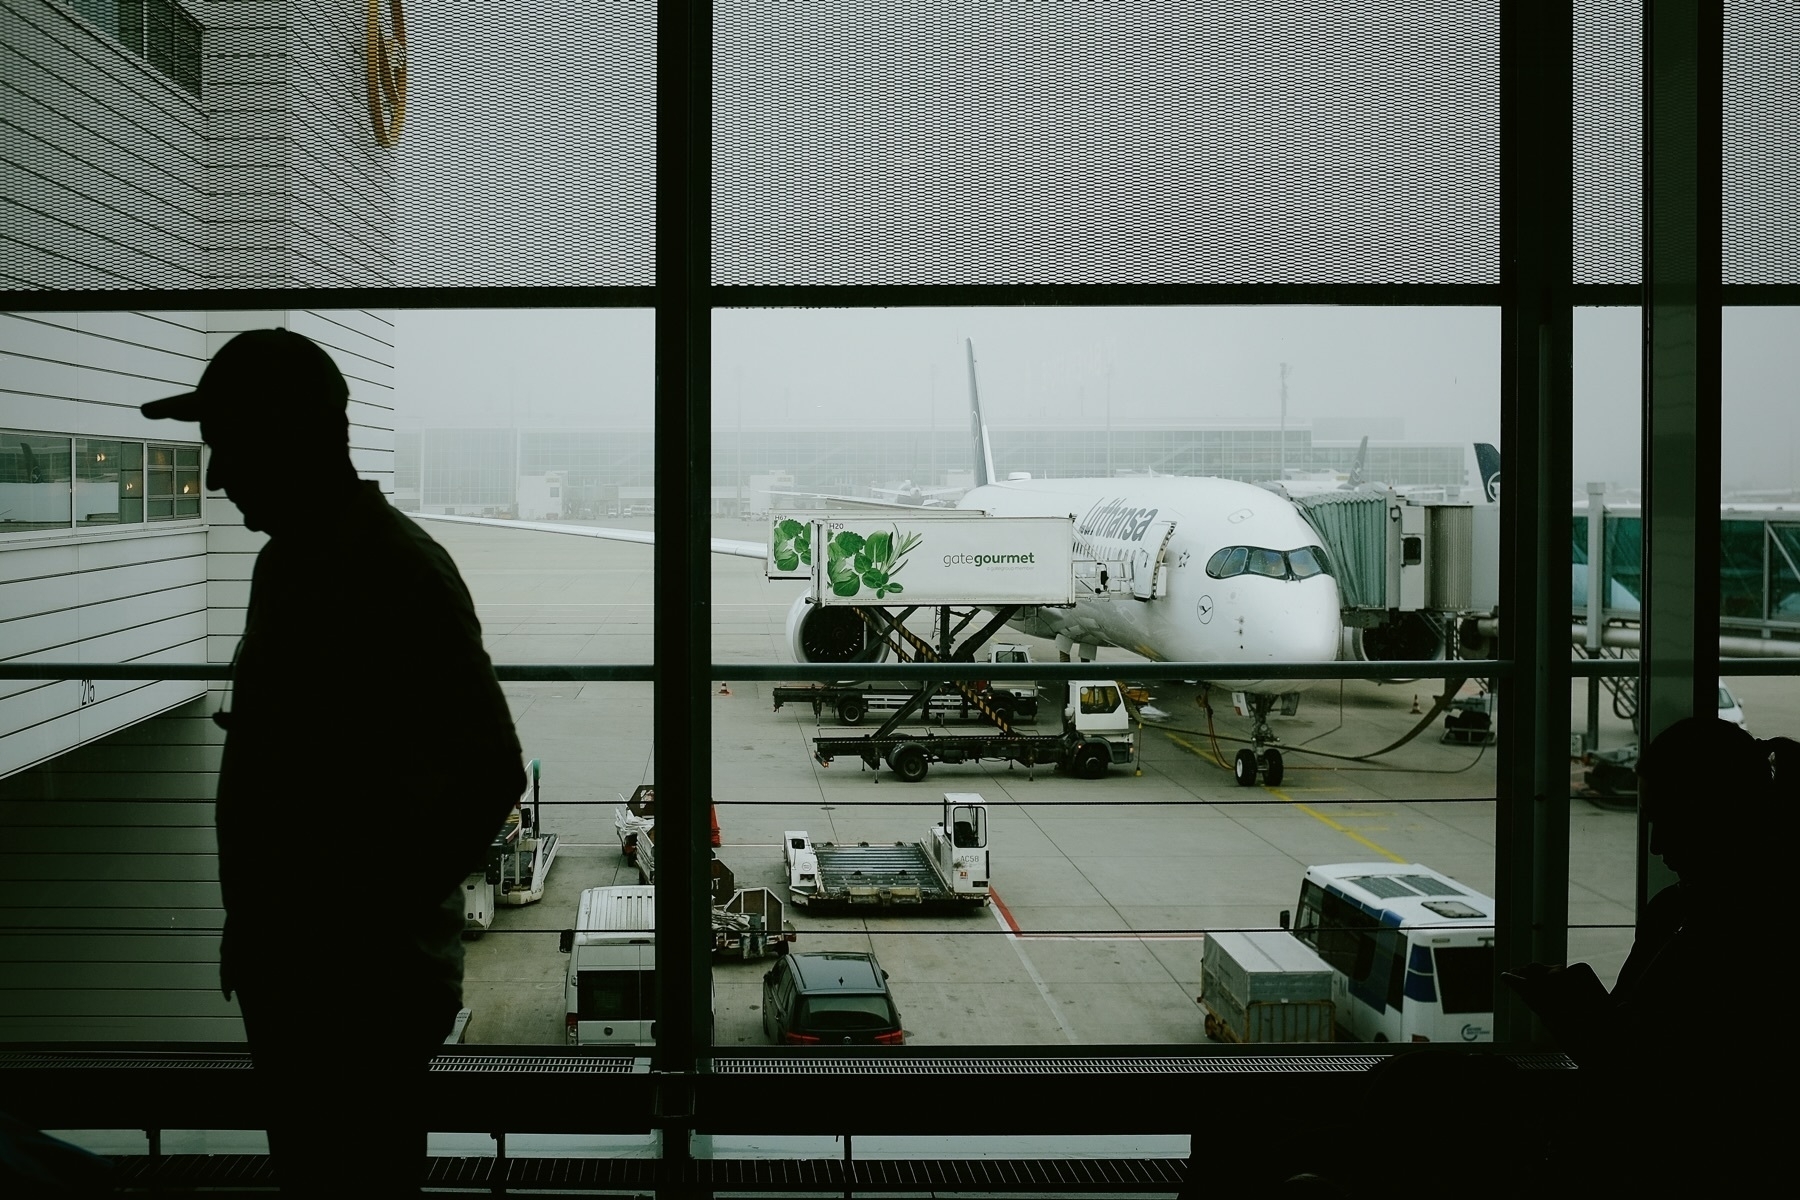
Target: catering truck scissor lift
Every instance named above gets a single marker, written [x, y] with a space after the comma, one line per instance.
[1096, 731]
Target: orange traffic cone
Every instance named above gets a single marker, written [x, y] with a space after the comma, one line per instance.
[1416, 710]
[726, 691]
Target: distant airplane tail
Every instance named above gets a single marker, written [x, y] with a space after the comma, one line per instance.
[984, 454]
[1359, 470]
[1487, 461]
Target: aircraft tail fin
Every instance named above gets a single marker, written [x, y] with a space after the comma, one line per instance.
[984, 454]
[1487, 461]
[1359, 470]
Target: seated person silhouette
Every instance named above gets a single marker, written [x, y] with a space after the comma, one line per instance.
[1664, 1075]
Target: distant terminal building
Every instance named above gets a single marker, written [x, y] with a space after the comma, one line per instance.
[473, 471]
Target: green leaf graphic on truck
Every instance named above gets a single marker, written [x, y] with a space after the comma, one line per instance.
[793, 544]
[853, 562]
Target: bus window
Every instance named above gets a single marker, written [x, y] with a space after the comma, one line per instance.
[1465, 982]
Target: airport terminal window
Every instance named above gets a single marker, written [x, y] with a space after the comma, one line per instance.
[109, 482]
[34, 482]
[157, 31]
[172, 482]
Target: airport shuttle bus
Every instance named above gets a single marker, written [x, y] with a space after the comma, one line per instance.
[1411, 951]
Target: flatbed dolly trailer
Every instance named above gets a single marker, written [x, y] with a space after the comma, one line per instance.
[1096, 736]
[947, 869]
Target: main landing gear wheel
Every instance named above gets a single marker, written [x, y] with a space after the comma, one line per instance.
[1272, 767]
[1245, 768]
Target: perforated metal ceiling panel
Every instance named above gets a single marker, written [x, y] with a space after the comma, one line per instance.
[1761, 218]
[876, 142]
[1106, 141]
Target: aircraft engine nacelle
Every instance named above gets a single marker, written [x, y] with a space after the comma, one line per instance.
[1403, 637]
[818, 633]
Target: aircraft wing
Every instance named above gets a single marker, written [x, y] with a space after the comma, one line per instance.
[862, 501]
[756, 550]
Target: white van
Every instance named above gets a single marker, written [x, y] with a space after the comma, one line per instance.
[610, 990]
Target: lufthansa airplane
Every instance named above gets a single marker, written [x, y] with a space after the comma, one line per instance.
[1173, 568]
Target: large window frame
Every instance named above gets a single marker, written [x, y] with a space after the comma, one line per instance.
[1681, 298]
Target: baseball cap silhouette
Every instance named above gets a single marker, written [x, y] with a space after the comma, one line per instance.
[275, 374]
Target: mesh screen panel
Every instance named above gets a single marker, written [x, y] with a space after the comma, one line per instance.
[1761, 218]
[1608, 149]
[522, 148]
[856, 142]
[1106, 141]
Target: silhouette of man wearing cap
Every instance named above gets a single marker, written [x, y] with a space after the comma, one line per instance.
[369, 760]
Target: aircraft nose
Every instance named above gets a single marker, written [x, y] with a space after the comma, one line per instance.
[1297, 623]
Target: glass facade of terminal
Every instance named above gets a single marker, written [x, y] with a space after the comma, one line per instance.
[1171, 244]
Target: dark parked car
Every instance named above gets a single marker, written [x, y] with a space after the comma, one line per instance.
[826, 998]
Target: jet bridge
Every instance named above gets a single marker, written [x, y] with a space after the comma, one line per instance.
[1404, 566]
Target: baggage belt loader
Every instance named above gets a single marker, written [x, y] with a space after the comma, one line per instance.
[945, 870]
[517, 865]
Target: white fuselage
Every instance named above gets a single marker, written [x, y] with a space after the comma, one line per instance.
[1160, 533]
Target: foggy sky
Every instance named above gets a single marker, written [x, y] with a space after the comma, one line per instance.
[1438, 369]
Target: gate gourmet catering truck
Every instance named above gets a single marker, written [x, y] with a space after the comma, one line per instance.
[998, 564]
[947, 869]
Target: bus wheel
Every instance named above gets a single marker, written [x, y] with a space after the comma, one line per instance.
[910, 764]
[850, 710]
[1272, 767]
[1244, 767]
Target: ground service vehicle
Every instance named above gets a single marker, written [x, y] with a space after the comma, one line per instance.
[636, 827]
[748, 922]
[1265, 986]
[852, 702]
[517, 865]
[609, 991]
[1096, 735]
[948, 869]
[1411, 951]
[829, 998]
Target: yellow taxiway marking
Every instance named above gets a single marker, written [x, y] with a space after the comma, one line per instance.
[1354, 836]
[1208, 755]
[1307, 809]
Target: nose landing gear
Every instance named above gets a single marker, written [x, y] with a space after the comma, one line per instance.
[1264, 758]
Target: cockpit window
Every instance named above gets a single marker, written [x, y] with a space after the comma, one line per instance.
[1309, 561]
[1272, 563]
[1303, 563]
[1228, 562]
